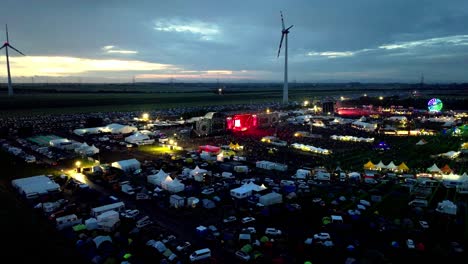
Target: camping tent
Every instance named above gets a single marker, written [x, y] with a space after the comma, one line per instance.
[434, 168]
[101, 239]
[403, 167]
[369, 165]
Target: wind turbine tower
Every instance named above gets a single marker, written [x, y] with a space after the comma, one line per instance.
[284, 35]
[7, 45]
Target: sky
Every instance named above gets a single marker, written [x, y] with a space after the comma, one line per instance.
[236, 41]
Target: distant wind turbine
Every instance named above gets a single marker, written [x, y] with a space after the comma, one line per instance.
[7, 45]
[284, 33]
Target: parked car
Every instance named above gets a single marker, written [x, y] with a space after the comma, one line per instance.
[410, 243]
[207, 191]
[424, 224]
[130, 213]
[456, 247]
[250, 230]
[322, 236]
[242, 255]
[272, 231]
[183, 247]
[247, 219]
[229, 219]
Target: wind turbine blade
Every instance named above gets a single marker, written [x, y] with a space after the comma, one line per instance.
[289, 27]
[16, 50]
[4, 45]
[6, 27]
[281, 43]
[282, 20]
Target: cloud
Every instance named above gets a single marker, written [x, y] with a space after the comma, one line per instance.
[111, 49]
[332, 54]
[395, 48]
[457, 40]
[204, 31]
[202, 75]
[123, 51]
[63, 66]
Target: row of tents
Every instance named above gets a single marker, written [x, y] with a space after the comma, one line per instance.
[390, 166]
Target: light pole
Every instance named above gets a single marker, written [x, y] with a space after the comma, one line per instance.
[78, 168]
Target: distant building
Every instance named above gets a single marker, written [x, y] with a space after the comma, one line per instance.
[328, 107]
[211, 123]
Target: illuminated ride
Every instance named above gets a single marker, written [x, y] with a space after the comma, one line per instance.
[435, 105]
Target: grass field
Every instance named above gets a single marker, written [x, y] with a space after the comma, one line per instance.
[63, 99]
[404, 149]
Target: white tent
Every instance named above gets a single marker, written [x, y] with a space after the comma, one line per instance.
[434, 168]
[100, 239]
[35, 185]
[87, 150]
[166, 182]
[174, 186]
[391, 166]
[118, 129]
[127, 165]
[136, 138]
[271, 198]
[421, 142]
[451, 154]
[91, 224]
[198, 174]
[380, 165]
[447, 207]
[59, 141]
[157, 178]
[220, 157]
[246, 190]
[82, 131]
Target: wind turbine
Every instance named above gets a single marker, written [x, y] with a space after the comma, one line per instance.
[7, 45]
[284, 35]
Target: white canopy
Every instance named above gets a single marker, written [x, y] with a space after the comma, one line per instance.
[118, 129]
[173, 186]
[197, 171]
[421, 142]
[127, 165]
[391, 166]
[434, 168]
[158, 178]
[137, 137]
[380, 165]
[451, 154]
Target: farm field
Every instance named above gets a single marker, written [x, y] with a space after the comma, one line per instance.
[98, 99]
